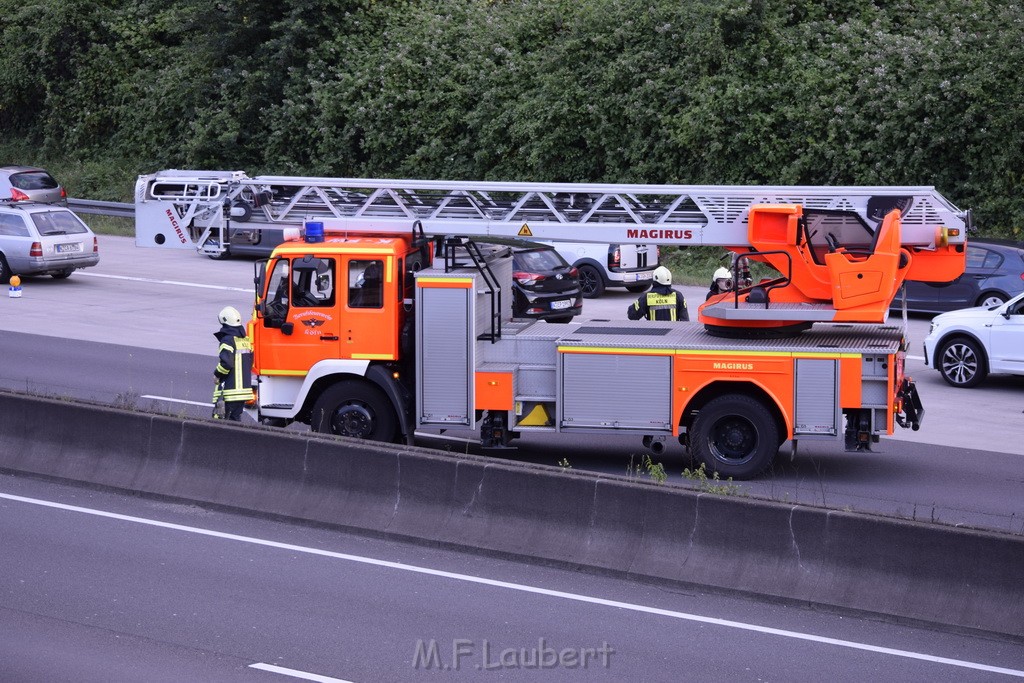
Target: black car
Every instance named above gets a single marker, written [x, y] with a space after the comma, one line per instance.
[544, 286]
[994, 275]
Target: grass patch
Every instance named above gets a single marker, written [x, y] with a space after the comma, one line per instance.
[109, 225]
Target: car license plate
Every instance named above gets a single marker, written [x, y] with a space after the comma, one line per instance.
[67, 248]
[644, 276]
[559, 305]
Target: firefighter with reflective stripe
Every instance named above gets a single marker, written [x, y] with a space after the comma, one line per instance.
[233, 373]
[661, 302]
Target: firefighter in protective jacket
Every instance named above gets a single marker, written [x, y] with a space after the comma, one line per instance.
[233, 373]
[662, 302]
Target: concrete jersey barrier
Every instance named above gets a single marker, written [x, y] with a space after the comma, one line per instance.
[953, 576]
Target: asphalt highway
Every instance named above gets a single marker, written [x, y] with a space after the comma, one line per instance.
[96, 586]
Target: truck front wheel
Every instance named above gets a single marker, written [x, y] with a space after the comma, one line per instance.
[355, 409]
[735, 436]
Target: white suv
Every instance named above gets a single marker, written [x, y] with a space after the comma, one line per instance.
[966, 345]
[609, 265]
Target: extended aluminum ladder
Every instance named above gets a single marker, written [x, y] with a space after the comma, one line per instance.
[191, 209]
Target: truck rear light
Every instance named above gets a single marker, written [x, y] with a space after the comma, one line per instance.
[36, 250]
[95, 245]
[528, 279]
[18, 196]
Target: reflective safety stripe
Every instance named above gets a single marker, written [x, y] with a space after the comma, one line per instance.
[661, 302]
[235, 387]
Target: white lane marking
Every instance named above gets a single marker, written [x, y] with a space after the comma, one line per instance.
[295, 673]
[166, 282]
[522, 587]
[178, 400]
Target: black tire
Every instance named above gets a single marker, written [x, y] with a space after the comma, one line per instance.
[736, 436]
[355, 409]
[962, 363]
[222, 256]
[62, 275]
[5, 271]
[637, 289]
[990, 299]
[591, 281]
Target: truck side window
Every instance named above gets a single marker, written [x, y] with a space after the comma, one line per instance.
[365, 284]
[277, 289]
[313, 283]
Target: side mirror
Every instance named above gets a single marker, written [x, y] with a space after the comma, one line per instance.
[278, 324]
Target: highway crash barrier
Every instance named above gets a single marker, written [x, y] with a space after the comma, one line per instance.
[953, 576]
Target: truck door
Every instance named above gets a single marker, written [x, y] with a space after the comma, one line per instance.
[301, 326]
[369, 327]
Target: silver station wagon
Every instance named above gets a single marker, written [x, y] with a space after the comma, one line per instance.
[42, 239]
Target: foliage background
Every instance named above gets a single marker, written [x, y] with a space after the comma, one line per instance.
[656, 91]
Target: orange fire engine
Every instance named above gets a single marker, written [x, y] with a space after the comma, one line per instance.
[369, 329]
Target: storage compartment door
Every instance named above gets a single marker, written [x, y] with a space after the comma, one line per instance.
[817, 400]
[444, 377]
[616, 391]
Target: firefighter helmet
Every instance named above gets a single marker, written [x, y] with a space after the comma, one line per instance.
[722, 274]
[229, 315]
[662, 275]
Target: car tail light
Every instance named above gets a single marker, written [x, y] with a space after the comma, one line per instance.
[63, 193]
[95, 245]
[614, 256]
[36, 250]
[18, 196]
[528, 279]
[575, 272]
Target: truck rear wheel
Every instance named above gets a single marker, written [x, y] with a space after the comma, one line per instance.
[355, 409]
[735, 436]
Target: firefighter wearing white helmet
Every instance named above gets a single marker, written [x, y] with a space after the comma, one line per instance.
[233, 374]
[721, 281]
[661, 302]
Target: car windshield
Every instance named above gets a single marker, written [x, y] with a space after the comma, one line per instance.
[58, 223]
[33, 180]
[539, 260]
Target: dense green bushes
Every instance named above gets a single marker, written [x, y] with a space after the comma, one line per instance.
[661, 91]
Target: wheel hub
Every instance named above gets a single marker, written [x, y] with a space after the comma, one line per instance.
[960, 363]
[733, 439]
[352, 420]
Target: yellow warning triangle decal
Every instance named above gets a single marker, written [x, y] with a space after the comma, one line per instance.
[525, 231]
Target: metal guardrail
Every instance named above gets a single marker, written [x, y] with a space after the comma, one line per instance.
[116, 209]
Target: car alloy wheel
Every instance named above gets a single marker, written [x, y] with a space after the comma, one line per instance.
[992, 300]
[961, 363]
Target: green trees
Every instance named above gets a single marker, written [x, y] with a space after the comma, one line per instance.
[662, 91]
